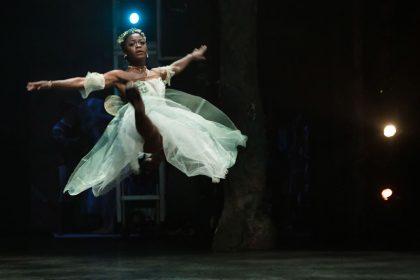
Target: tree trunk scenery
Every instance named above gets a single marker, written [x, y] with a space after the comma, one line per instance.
[245, 222]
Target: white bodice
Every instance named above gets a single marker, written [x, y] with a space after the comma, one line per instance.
[153, 87]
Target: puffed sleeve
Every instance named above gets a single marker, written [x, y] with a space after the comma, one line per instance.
[169, 73]
[93, 81]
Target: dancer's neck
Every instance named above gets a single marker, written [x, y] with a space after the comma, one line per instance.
[137, 68]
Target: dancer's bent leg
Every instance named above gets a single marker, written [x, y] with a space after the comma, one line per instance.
[145, 127]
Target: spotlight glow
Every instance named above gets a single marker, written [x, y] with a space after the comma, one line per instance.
[386, 193]
[390, 130]
[134, 18]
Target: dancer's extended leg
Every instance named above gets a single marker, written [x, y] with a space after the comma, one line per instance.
[145, 127]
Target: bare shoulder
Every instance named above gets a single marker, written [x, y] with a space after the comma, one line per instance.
[121, 75]
[113, 74]
[116, 72]
[159, 71]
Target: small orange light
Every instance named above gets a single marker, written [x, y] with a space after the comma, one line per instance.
[390, 130]
[386, 193]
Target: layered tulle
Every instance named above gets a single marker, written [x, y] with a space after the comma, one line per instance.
[198, 139]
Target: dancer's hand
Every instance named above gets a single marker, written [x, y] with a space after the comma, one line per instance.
[39, 85]
[198, 54]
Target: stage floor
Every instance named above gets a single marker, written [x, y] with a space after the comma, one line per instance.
[133, 258]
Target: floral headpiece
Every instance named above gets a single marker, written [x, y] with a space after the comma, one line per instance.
[125, 34]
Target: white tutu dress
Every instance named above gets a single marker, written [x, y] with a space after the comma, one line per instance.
[198, 138]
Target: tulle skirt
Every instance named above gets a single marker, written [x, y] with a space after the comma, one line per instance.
[197, 137]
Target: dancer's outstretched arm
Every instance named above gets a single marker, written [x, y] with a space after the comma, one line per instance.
[178, 66]
[197, 54]
[111, 78]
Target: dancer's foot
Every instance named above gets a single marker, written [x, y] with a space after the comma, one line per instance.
[152, 163]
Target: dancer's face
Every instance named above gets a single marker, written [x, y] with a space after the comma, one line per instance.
[135, 48]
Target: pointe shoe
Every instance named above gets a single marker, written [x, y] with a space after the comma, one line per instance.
[151, 164]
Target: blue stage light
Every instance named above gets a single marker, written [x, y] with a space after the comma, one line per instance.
[134, 18]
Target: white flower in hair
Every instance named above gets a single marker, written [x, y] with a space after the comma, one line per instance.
[127, 33]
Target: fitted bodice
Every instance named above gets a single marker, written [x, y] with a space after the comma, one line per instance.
[154, 87]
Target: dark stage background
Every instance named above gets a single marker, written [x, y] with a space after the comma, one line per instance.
[331, 74]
